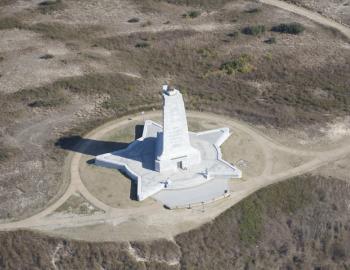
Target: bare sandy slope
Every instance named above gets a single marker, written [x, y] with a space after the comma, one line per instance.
[338, 10]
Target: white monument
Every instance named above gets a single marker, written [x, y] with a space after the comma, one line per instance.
[174, 150]
[171, 164]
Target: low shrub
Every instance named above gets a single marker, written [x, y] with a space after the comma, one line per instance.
[254, 30]
[192, 14]
[147, 23]
[47, 103]
[271, 40]
[44, 96]
[253, 10]
[289, 28]
[206, 52]
[46, 56]
[233, 34]
[241, 64]
[133, 20]
[49, 6]
[6, 152]
[3, 155]
[142, 45]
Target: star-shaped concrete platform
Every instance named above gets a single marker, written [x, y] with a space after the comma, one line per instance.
[183, 187]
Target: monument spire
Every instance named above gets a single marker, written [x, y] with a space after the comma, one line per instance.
[174, 150]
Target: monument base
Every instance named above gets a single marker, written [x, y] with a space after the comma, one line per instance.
[192, 157]
[137, 161]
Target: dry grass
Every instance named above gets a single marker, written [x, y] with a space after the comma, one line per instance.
[42, 97]
[193, 59]
[193, 3]
[127, 94]
[161, 250]
[77, 205]
[170, 54]
[65, 32]
[7, 152]
[298, 224]
[10, 22]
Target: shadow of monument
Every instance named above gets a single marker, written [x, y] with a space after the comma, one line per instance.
[89, 146]
[142, 152]
[94, 147]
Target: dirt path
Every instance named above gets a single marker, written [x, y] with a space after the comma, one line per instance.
[168, 223]
[310, 15]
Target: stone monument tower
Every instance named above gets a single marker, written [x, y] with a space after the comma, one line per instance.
[173, 165]
[173, 148]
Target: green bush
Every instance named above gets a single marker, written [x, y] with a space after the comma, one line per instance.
[241, 64]
[254, 30]
[290, 28]
[134, 20]
[142, 45]
[233, 34]
[46, 7]
[46, 56]
[206, 52]
[253, 10]
[191, 14]
[47, 103]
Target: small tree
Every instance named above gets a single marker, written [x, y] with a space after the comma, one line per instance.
[133, 20]
[290, 28]
[241, 64]
[142, 45]
[254, 30]
[192, 14]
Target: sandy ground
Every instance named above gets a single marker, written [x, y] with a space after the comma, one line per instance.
[23, 65]
[338, 10]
